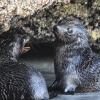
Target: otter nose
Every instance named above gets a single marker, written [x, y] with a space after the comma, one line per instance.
[55, 28]
[58, 28]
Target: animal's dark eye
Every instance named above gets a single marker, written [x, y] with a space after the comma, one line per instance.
[70, 30]
[21, 39]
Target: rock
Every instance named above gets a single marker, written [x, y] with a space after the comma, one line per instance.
[39, 22]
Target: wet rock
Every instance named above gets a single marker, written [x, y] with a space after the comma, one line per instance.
[39, 24]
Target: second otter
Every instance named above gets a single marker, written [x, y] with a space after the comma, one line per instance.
[18, 81]
[77, 68]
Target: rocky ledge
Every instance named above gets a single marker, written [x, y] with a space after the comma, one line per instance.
[38, 18]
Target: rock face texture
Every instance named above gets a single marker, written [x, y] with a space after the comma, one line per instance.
[37, 17]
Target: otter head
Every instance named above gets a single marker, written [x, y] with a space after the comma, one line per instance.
[19, 44]
[70, 31]
[13, 44]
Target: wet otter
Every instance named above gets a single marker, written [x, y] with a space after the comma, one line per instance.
[18, 81]
[77, 67]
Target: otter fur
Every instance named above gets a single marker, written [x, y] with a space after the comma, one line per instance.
[18, 81]
[77, 67]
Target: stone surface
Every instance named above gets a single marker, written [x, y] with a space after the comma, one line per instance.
[21, 8]
[39, 21]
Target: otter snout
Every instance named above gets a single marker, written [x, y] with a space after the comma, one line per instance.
[62, 29]
[58, 29]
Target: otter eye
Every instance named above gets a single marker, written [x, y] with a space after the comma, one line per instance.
[21, 39]
[70, 30]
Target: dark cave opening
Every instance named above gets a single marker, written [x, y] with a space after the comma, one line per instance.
[40, 50]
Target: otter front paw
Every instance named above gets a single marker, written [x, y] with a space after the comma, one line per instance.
[69, 90]
[53, 87]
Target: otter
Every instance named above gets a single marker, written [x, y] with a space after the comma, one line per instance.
[18, 81]
[77, 67]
